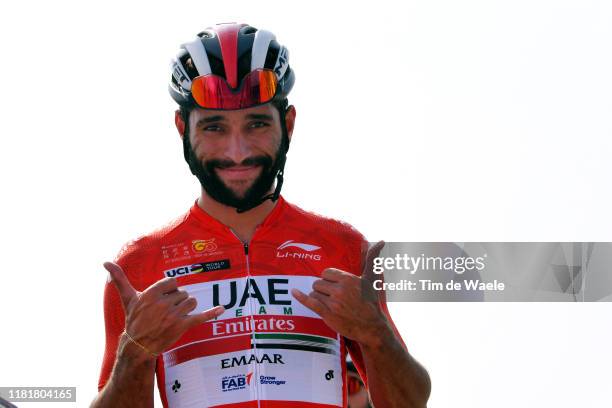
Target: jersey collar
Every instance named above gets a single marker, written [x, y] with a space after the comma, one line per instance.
[210, 221]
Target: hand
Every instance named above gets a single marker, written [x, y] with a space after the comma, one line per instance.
[347, 303]
[157, 317]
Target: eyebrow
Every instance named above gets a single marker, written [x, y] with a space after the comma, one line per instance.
[209, 119]
[221, 118]
[260, 116]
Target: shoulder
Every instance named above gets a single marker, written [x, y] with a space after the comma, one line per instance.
[335, 235]
[138, 255]
[152, 240]
[323, 224]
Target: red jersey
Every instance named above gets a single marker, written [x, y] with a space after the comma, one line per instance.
[266, 349]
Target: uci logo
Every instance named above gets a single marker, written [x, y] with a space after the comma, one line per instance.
[204, 245]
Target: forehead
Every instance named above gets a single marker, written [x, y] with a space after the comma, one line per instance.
[237, 115]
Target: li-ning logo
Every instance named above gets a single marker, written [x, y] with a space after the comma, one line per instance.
[305, 247]
[298, 255]
[204, 245]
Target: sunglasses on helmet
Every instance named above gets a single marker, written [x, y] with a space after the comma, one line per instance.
[213, 92]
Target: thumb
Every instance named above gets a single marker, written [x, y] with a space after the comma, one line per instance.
[367, 274]
[368, 266]
[121, 282]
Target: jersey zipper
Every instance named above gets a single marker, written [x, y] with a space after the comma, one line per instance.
[254, 379]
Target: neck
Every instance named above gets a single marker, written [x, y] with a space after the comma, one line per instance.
[242, 224]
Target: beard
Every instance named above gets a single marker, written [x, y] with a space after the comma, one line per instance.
[206, 173]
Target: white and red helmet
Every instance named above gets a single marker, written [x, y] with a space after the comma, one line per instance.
[231, 66]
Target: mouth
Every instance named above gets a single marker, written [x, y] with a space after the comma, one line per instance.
[238, 173]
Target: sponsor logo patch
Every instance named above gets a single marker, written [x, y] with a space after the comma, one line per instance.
[271, 380]
[235, 382]
[252, 358]
[301, 245]
[250, 324]
[203, 245]
[175, 252]
[198, 268]
[286, 250]
[228, 295]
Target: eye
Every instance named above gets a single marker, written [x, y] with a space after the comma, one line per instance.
[211, 128]
[258, 124]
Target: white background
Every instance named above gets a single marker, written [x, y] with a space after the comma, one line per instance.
[417, 121]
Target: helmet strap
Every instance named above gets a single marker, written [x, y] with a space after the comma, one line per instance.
[280, 170]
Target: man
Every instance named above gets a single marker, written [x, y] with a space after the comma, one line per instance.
[216, 303]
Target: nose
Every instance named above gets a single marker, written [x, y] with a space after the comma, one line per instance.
[238, 147]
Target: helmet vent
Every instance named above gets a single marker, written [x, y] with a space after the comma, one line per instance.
[249, 30]
[189, 66]
[205, 34]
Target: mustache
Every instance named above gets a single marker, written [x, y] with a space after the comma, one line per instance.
[250, 161]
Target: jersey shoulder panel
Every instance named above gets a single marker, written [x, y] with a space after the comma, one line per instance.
[342, 234]
[326, 224]
[138, 256]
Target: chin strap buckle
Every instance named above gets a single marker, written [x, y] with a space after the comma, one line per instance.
[274, 196]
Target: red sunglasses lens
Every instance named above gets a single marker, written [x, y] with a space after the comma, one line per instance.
[213, 92]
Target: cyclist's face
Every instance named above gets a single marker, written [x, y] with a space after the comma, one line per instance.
[237, 146]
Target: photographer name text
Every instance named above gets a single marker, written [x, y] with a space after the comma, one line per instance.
[432, 286]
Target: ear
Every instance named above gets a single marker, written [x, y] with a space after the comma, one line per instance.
[179, 122]
[290, 120]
